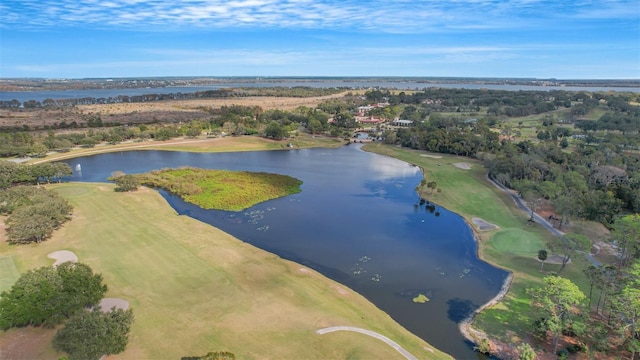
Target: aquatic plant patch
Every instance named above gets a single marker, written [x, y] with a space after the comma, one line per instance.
[222, 189]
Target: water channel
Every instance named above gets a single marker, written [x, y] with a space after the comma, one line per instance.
[358, 220]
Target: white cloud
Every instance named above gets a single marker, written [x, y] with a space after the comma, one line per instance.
[381, 15]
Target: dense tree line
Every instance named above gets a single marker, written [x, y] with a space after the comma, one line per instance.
[33, 213]
[299, 91]
[604, 319]
[12, 173]
[234, 120]
[597, 180]
[498, 102]
[613, 324]
[592, 182]
[447, 135]
[626, 123]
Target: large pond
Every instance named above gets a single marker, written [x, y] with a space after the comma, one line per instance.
[358, 220]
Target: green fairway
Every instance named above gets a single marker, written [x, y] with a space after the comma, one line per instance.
[9, 272]
[194, 289]
[516, 242]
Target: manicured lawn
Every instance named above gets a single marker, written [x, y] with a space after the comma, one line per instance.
[516, 242]
[194, 289]
[9, 273]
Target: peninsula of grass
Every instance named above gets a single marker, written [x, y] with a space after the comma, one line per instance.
[195, 289]
[221, 189]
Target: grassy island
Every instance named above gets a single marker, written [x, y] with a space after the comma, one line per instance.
[222, 189]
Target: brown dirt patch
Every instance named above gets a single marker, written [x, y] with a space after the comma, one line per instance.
[3, 232]
[27, 344]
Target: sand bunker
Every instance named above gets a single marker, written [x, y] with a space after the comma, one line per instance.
[554, 259]
[463, 166]
[107, 304]
[483, 225]
[62, 256]
[432, 156]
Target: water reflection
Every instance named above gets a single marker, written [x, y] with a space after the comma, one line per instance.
[359, 221]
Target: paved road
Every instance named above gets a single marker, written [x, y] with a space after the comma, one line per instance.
[389, 342]
[522, 205]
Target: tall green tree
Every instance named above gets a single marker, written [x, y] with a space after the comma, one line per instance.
[626, 307]
[542, 256]
[526, 352]
[626, 234]
[126, 182]
[556, 300]
[592, 273]
[33, 213]
[345, 119]
[47, 295]
[275, 131]
[89, 335]
[573, 243]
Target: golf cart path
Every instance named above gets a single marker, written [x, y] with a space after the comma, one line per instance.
[389, 342]
[537, 218]
[522, 205]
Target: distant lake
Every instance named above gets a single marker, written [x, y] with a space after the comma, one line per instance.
[355, 84]
[358, 220]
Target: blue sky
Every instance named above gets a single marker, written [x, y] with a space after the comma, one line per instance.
[463, 38]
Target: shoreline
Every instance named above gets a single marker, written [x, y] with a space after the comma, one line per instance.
[465, 326]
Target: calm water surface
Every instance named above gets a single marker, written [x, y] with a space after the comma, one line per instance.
[358, 220]
[355, 84]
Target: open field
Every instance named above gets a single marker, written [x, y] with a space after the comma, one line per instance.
[195, 289]
[162, 111]
[514, 246]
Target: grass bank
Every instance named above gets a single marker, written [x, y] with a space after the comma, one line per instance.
[513, 246]
[203, 144]
[195, 289]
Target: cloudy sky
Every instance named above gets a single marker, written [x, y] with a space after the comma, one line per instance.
[564, 39]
